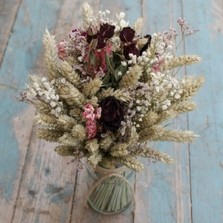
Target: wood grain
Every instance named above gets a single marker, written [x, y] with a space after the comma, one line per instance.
[163, 191]
[206, 153]
[20, 57]
[36, 185]
[8, 12]
[48, 196]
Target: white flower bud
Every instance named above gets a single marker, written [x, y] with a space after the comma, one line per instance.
[121, 15]
[52, 104]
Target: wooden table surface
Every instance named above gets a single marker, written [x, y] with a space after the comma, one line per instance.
[38, 186]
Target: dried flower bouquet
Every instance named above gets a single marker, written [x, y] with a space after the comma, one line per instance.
[109, 90]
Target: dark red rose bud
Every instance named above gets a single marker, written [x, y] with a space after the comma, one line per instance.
[112, 113]
[106, 31]
[145, 47]
[101, 43]
[89, 38]
[130, 49]
[127, 34]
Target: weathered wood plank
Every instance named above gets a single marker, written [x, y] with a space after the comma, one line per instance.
[163, 192]
[8, 12]
[48, 196]
[206, 154]
[46, 192]
[82, 213]
[17, 118]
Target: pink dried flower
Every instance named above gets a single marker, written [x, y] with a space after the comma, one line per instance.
[61, 49]
[89, 112]
[157, 66]
[91, 115]
[91, 127]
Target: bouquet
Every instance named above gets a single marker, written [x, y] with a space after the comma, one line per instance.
[108, 91]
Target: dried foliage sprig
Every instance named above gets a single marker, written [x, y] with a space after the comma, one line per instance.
[108, 90]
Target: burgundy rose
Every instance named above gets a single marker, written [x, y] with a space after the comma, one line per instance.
[112, 114]
[127, 34]
[101, 43]
[106, 31]
[130, 49]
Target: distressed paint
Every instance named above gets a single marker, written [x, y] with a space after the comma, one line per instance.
[206, 153]
[8, 12]
[49, 196]
[48, 187]
[163, 191]
[20, 57]
[47, 179]
[217, 13]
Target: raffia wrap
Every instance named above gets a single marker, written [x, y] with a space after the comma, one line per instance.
[107, 176]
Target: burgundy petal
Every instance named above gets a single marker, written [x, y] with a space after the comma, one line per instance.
[130, 49]
[127, 34]
[106, 31]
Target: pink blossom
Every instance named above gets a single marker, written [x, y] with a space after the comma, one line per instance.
[89, 112]
[61, 49]
[91, 115]
[91, 127]
[157, 66]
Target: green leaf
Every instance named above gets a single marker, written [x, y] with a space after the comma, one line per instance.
[109, 64]
[92, 58]
[121, 69]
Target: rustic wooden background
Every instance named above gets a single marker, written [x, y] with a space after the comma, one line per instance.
[37, 186]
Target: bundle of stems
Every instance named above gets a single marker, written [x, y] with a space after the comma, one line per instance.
[112, 195]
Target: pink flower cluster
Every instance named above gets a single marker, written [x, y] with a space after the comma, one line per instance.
[61, 47]
[156, 67]
[91, 115]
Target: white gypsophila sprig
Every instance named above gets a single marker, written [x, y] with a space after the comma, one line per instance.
[43, 90]
[137, 107]
[102, 17]
[153, 58]
[121, 22]
[91, 20]
[164, 90]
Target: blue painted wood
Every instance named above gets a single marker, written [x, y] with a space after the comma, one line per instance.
[21, 55]
[163, 191]
[48, 186]
[206, 153]
[8, 12]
